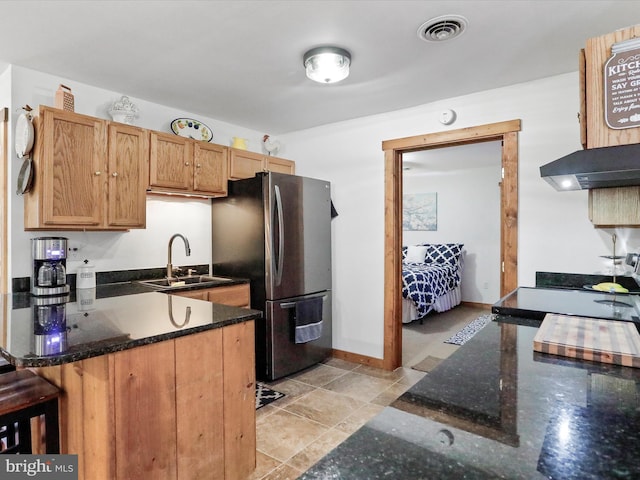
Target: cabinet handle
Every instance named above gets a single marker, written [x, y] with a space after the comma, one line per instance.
[98, 173]
[186, 163]
[198, 165]
[114, 174]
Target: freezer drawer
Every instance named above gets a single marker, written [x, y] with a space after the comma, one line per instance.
[277, 353]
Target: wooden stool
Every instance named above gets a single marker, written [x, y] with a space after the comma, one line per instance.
[6, 366]
[23, 396]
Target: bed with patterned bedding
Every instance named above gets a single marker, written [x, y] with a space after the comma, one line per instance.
[431, 276]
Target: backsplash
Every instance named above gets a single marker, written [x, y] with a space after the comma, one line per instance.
[23, 284]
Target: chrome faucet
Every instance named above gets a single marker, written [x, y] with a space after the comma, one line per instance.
[187, 251]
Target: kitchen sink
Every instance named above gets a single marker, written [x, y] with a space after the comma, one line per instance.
[191, 280]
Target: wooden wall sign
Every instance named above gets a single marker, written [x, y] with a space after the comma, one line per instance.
[622, 85]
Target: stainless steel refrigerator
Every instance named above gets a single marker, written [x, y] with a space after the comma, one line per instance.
[275, 230]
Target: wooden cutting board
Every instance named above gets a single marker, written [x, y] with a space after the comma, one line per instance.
[605, 341]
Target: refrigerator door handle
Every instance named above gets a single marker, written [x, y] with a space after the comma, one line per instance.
[293, 304]
[280, 255]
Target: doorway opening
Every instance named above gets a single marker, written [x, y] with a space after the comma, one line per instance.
[451, 196]
[4, 213]
[507, 134]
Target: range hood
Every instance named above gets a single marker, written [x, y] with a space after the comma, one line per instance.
[617, 166]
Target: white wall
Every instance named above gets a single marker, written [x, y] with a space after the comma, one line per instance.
[5, 87]
[110, 251]
[468, 212]
[554, 231]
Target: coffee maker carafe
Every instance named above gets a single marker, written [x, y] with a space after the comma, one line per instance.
[49, 266]
[49, 325]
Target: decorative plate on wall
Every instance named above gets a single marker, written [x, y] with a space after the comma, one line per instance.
[24, 135]
[190, 128]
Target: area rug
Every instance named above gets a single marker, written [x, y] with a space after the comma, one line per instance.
[464, 335]
[265, 395]
[427, 364]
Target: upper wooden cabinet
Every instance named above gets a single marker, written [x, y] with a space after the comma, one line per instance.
[608, 207]
[279, 165]
[245, 164]
[128, 174]
[90, 174]
[612, 207]
[596, 55]
[93, 174]
[180, 165]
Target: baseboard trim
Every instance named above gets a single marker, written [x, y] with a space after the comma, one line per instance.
[477, 304]
[357, 358]
[379, 362]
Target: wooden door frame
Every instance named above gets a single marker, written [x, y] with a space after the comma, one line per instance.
[4, 223]
[507, 133]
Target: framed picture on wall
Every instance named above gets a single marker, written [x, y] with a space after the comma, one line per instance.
[420, 212]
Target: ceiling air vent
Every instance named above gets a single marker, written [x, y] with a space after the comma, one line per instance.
[442, 28]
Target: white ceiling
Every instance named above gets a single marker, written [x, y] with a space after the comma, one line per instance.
[241, 61]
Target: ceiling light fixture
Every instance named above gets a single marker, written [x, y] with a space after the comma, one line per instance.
[327, 64]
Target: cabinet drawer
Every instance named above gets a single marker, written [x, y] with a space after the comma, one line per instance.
[199, 294]
[234, 295]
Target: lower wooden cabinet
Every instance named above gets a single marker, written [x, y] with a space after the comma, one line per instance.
[234, 295]
[177, 409]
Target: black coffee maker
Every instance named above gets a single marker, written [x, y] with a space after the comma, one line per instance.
[49, 266]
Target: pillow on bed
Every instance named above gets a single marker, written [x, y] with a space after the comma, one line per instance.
[443, 253]
[416, 253]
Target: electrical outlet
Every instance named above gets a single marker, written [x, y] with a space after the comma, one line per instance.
[73, 252]
[485, 285]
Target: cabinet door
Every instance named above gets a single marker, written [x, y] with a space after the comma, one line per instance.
[597, 52]
[234, 295]
[144, 402]
[128, 176]
[170, 162]
[614, 207]
[280, 165]
[243, 164]
[210, 168]
[72, 168]
[199, 383]
[238, 349]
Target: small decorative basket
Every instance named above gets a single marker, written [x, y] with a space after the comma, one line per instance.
[123, 111]
[64, 98]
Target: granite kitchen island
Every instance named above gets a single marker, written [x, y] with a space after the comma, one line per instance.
[154, 385]
[496, 409]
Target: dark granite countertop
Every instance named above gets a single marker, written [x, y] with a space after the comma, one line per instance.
[41, 331]
[495, 409]
[579, 280]
[535, 303]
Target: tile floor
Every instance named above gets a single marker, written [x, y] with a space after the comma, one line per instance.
[328, 402]
[322, 407]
